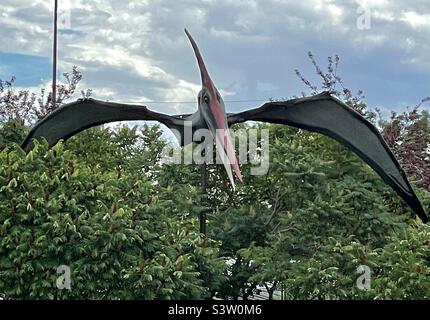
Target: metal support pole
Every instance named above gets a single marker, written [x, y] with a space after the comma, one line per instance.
[202, 218]
[54, 59]
[202, 215]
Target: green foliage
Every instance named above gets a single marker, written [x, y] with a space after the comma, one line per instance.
[103, 204]
[121, 235]
[404, 266]
[12, 132]
[330, 214]
[126, 225]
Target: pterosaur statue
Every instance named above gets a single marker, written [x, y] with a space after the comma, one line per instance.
[322, 113]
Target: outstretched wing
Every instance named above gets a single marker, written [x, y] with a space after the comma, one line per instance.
[82, 114]
[325, 114]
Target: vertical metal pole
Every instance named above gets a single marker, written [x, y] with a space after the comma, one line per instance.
[202, 218]
[54, 58]
[202, 215]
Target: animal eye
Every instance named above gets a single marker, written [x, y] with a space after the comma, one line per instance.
[206, 99]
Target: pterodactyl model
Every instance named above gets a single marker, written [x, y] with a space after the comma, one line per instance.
[322, 113]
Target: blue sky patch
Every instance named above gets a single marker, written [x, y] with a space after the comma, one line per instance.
[29, 70]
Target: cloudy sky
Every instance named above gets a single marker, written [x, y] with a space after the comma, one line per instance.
[134, 51]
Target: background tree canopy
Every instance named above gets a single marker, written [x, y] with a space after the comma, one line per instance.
[102, 204]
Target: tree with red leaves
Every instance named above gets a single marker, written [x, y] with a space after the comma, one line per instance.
[29, 107]
[407, 134]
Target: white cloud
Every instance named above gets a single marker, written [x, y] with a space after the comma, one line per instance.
[380, 4]
[416, 20]
[137, 51]
[265, 86]
[237, 37]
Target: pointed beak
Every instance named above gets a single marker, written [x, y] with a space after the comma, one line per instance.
[216, 118]
[206, 80]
